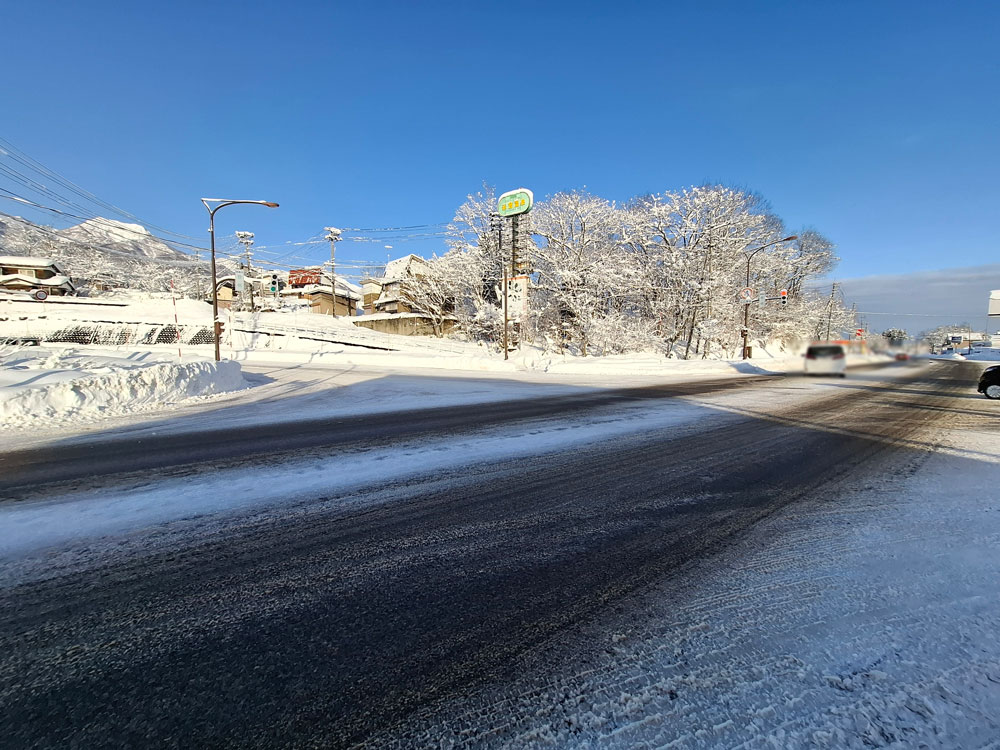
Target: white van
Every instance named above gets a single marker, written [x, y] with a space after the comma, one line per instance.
[826, 359]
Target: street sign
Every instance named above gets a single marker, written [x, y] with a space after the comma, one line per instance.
[240, 282]
[859, 332]
[747, 295]
[515, 202]
[955, 339]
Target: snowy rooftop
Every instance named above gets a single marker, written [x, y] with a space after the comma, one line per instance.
[26, 261]
[343, 290]
[397, 270]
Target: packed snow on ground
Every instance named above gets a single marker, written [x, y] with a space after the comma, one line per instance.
[293, 335]
[215, 493]
[983, 355]
[865, 618]
[297, 360]
[41, 386]
[86, 517]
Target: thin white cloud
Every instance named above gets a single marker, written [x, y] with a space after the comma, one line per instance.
[924, 299]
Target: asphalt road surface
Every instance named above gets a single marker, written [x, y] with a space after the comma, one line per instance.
[323, 628]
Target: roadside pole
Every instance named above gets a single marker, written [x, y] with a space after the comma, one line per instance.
[246, 239]
[333, 235]
[177, 326]
[506, 346]
[513, 203]
[829, 310]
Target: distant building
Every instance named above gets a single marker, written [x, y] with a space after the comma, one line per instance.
[371, 290]
[27, 274]
[315, 286]
[397, 273]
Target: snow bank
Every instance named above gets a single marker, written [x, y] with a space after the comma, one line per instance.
[46, 385]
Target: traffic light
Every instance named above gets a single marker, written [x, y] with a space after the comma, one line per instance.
[274, 282]
[784, 296]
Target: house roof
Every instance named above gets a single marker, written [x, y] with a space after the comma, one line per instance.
[399, 269]
[343, 290]
[27, 261]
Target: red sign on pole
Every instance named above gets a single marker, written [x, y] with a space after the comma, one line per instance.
[303, 276]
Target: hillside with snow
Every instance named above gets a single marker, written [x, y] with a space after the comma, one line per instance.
[106, 252]
[122, 238]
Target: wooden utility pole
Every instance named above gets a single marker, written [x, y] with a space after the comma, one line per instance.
[829, 310]
[246, 239]
[333, 235]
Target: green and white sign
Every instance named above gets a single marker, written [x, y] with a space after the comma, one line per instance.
[515, 202]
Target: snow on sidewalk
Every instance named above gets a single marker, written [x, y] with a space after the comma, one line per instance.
[45, 387]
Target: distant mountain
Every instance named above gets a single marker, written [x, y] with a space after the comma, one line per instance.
[123, 238]
[103, 252]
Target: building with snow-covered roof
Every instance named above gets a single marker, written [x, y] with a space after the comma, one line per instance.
[397, 273]
[316, 287]
[23, 273]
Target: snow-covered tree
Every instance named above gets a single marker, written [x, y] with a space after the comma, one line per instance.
[660, 273]
[477, 266]
[584, 272]
[895, 336]
[434, 289]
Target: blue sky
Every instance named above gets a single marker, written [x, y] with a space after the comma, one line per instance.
[876, 123]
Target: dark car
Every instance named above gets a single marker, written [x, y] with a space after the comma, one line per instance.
[989, 382]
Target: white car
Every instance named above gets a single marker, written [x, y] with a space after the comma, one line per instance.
[826, 359]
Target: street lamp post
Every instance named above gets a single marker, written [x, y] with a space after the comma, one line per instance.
[746, 304]
[212, 205]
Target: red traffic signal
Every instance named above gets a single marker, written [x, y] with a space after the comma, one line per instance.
[784, 296]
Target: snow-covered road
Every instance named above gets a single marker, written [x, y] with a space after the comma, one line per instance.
[790, 563]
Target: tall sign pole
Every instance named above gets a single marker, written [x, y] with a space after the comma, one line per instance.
[512, 203]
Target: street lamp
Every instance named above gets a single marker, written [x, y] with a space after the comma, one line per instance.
[746, 304]
[220, 203]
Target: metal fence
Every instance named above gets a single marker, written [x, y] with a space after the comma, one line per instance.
[14, 331]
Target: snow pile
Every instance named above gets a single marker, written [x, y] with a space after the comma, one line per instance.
[43, 385]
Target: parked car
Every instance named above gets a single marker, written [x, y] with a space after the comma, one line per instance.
[989, 382]
[826, 359]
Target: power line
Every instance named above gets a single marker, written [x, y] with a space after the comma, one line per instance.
[394, 229]
[113, 250]
[14, 153]
[101, 222]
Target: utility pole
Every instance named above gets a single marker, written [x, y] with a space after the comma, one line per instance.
[246, 239]
[829, 310]
[333, 235]
[197, 277]
[496, 221]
